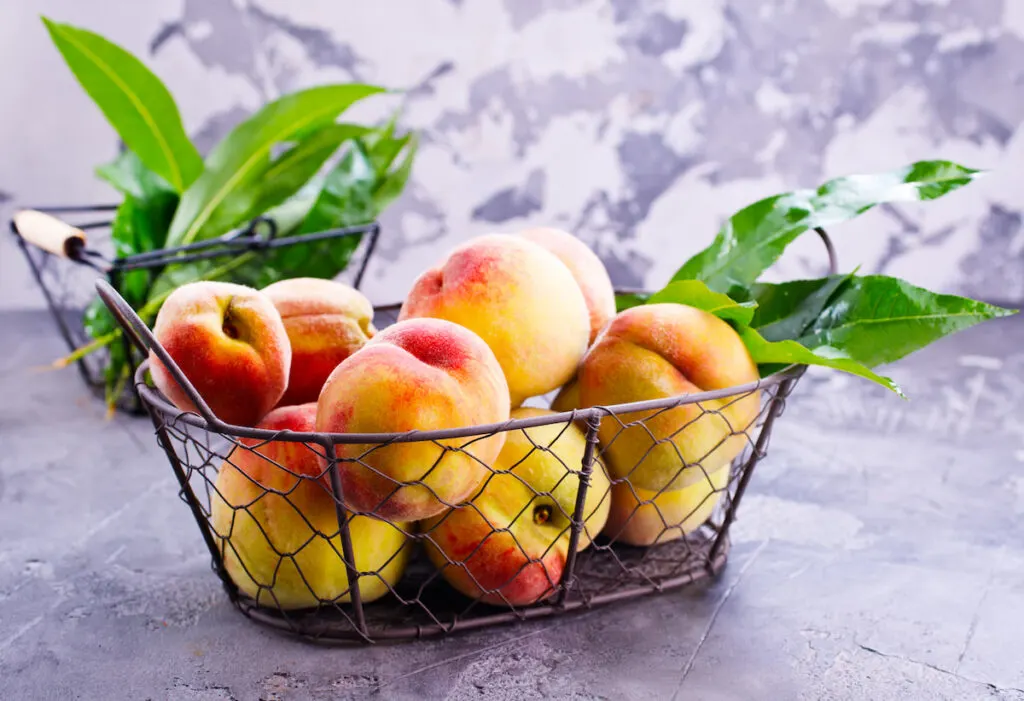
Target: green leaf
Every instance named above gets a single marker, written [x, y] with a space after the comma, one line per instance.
[782, 353]
[140, 225]
[134, 101]
[394, 183]
[628, 300]
[788, 309]
[130, 176]
[347, 195]
[290, 171]
[223, 196]
[754, 238]
[694, 293]
[878, 319]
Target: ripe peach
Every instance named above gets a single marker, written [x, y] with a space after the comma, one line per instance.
[274, 513]
[420, 374]
[586, 267]
[645, 517]
[231, 344]
[520, 299]
[657, 351]
[326, 322]
[532, 494]
[568, 398]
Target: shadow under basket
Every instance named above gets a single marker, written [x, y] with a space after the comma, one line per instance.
[286, 544]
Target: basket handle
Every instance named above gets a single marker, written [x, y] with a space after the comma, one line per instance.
[49, 233]
[143, 339]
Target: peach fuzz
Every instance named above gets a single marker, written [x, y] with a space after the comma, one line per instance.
[521, 565]
[326, 321]
[644, 517]
[520, 299]
[658, 351]
[274, 514]
[230, 343]
[586, 268]
[420, 374]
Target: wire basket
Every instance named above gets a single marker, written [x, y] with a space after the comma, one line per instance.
[66, 257]
[270, 504]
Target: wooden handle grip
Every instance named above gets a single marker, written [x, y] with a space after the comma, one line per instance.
[49, 233]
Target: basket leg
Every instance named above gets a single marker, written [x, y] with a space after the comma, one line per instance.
[193, 504]
[774, 409]
[62, 325]
[346, 541]
[370, 247]
[578, 516]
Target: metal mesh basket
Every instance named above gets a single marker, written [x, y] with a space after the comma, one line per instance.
[66, 256]
[288, 546]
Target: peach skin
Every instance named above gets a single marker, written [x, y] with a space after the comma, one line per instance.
[533, 495]
[658, 351]
[420, 374]
[326, 322]
[231, 344]
[644, 517]
[520, 299]
[586, 268]
[273, 512]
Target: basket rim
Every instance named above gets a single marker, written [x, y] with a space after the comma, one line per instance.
[155, 400]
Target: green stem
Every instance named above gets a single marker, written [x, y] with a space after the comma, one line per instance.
[85, 350]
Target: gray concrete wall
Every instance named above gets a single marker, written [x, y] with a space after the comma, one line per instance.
[637, 125]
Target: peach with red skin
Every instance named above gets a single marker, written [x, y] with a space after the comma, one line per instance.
[645, 517]
[420, 374]
[509, 545]
[230, 343]
[658, 351]
[586, 268]
[520, 299]
[274, 514]
[326, 321]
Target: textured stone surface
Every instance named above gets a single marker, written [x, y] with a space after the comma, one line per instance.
[638, 125]
[878, 555]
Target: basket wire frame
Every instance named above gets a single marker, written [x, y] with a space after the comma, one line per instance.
[68, 287]
[404, 594]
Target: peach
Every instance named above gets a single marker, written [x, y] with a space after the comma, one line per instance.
[275, 516]
[520, 299]
[326, 322]
[420, 374]
[644, 517]
[568, 398]
[586, 267]
[532, 494]
[658, 351]
[231, 344]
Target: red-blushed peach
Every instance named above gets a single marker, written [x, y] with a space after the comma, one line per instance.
[644, 517]
[420, 374]
[586, 268]
[532, 494]
[657, 351]
[274, 515]
[231, 344]
[326, 321]
[520, 299]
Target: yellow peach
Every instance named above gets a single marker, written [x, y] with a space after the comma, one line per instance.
[520, 299]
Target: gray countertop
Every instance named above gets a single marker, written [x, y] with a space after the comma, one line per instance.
[878, 554]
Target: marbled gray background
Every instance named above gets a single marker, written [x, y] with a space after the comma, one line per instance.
[638, 125]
